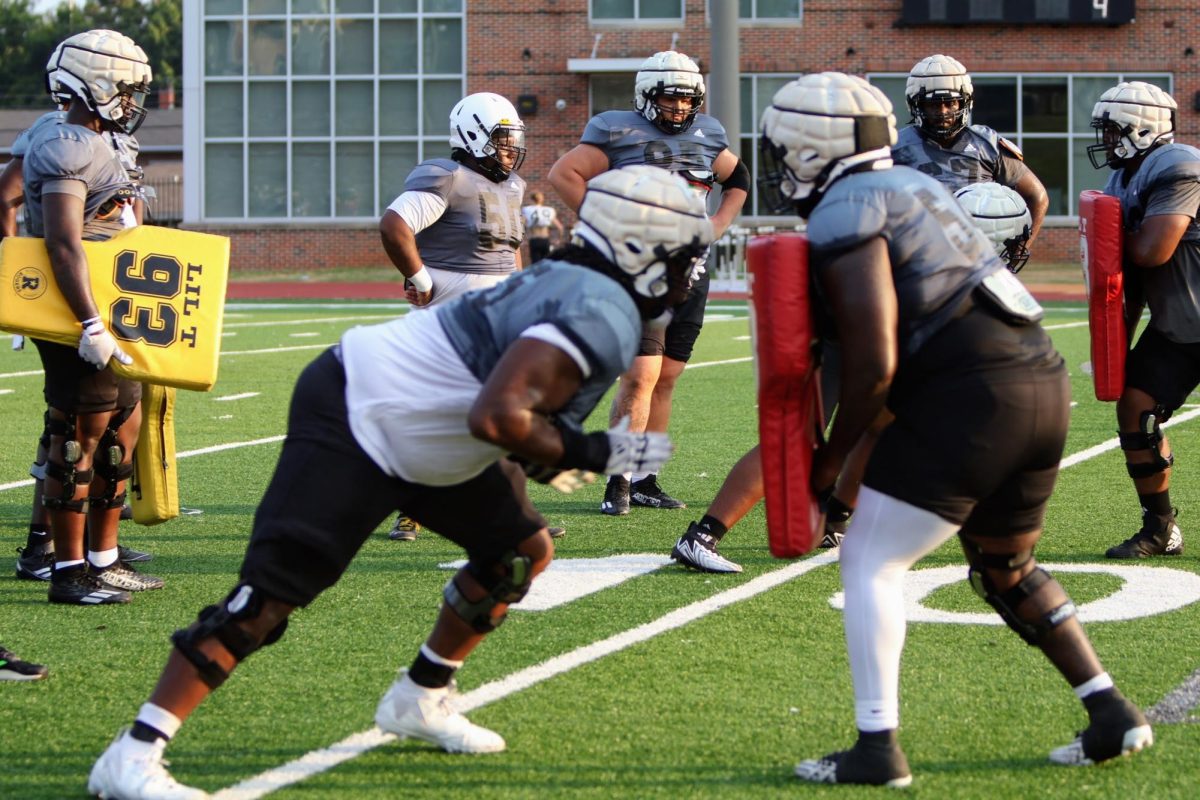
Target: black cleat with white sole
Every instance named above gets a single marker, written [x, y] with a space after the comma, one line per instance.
[873, 763]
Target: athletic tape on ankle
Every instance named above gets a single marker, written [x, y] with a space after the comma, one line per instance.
[1097, 684]
[160, 719]
[435, 658]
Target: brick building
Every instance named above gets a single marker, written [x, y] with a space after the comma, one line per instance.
[312, 112]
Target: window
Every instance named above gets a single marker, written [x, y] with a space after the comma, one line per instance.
[769, 9]
[612, 91]
[1047, 115]
[643, 10]
[318, 109]
[757, 91]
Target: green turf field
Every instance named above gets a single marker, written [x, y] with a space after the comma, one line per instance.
[660, 683]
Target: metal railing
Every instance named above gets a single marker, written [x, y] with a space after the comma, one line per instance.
[727, 257]
[166, 206]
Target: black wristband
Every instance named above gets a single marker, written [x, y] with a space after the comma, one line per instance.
[581, 450]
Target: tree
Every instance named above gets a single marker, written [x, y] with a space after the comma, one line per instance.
[27, 39]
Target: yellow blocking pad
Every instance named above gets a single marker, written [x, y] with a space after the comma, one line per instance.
[160, 290]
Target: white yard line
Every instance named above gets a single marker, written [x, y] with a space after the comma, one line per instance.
[355, 745]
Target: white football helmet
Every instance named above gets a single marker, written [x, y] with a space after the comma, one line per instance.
[107, 71]
[668, 74]
[816, 129]
[57, 91]
[939, 78]
[650, 226]
[1003, 217]
[488, 128]
[1130, 118]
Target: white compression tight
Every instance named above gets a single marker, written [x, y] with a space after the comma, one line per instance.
[886, 537]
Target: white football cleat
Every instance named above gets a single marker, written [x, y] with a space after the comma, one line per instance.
[134, 770]
[409, 710]
[698, 550]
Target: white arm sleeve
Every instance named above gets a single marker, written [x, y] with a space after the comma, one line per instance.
[419, 210]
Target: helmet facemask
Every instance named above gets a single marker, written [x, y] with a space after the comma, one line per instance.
[505, 150]
[934, 122]
[669, 118]
[1016, 251]
[1114, 145]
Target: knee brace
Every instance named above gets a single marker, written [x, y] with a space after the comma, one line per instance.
[110, 462]
[37, 470]
[65, 473]
[1148, 437]
[220, 622]
[506, 581]
[1033, 586]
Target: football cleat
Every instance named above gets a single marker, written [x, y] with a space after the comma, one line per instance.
[698, 550]
[412, 711]
[127, 555]
[648, 493]
[133, 770]
[35, 564]
[1118, 728]
[14, 669]
[119, 576]
[81, 588]
[865, 763]
[616, 497]
[1159, 536]
[405, 529]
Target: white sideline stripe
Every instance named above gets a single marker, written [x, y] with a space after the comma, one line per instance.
[25, 374]
[229, 397]
[1181, 700]
[352, 746]
[1113, 444]
[216, 448]
[1064, 325]
[719, 363]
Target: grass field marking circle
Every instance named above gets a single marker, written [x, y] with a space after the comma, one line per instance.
[1145, 591]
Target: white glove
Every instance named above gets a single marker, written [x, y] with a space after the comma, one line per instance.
[569, 480]
[636, 452]
[97, 345]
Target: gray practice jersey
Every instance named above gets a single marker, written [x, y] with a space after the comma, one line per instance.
[20, 145]
[979, 154]
[481, 228]
[71, 159]
[1168, 182]
[938, 254]
[627, 137]
[411, 382]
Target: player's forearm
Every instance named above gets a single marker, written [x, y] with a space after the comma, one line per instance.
[400, 244]
[69, 264]
[732, 201]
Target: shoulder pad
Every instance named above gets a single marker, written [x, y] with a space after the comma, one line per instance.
[1011, 149]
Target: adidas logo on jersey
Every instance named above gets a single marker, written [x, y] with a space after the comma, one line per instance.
[700, 133]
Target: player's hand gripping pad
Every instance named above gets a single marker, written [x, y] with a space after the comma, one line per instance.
[789, 401]
[160, 291]
[1100, 247]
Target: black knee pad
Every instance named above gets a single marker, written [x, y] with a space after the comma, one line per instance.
[506, 580]
[1033, 586]
[220, 621]
[1148, 437]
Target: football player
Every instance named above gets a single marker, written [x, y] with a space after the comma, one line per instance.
[539, 219]
[935, 329]
[76, 188]
[419, 412]
[942, 142]
[457, 226]
[666, 130]
[36, 559]
[1158, 183]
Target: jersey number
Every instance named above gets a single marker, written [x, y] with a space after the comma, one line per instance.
[153, 277]
[500, 225]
